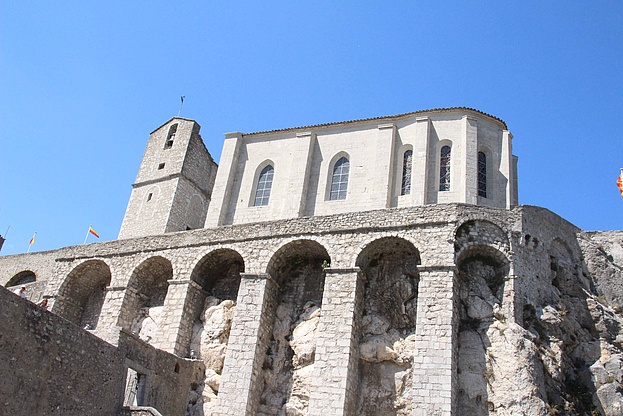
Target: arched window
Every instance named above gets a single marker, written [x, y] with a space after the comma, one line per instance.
[339, 179]
[482, 174]
[170, 137]
[264, 184]
[444, 169]
[407, 164]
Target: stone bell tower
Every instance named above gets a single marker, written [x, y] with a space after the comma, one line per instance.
[174, 182]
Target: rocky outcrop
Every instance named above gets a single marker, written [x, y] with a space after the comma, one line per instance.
[290, 360]
[209, 343]
[145, 325]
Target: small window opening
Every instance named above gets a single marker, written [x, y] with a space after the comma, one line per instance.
[161, 166]
[170, 137]
[407, 164]
[149, 196]
[177, 367]
[444, 169]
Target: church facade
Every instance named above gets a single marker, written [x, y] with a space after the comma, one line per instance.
[371, 267]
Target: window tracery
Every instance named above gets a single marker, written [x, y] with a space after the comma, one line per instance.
[444, 169]
[339, 179]
[264, 185]
[407, 166]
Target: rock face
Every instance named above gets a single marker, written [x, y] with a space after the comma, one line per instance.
[388, 329]
[492, 380]
[289, 361]
[145, 325]
[565, 358]
[209, 343]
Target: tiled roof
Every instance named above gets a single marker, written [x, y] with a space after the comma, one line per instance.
[433, 110]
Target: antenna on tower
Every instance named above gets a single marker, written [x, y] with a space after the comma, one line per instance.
[181, 105]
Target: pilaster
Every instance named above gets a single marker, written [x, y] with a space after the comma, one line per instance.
[240, 388]
[334, 383]
[470, 148]
[177, 322]
[420, 169]
[298, 177]
[217, 211]
[383, 165]
[108, 324]
[508, 169]
[435, 352]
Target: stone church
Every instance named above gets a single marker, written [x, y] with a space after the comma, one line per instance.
[371, 267]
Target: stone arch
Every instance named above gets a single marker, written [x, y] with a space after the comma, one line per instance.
[298, 268]
[390, 265]
[218, 273]
[482, 272]
[212, 309]
[145, 294]
[22, 278]
[479, 232]
[81, 295]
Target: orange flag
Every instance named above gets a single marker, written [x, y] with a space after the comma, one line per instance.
[620, 183]
[92, 231]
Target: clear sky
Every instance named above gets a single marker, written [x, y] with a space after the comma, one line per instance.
[83, 83]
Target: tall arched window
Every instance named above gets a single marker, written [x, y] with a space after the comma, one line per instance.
[264, 184]
[444, 169]
[482, 174]
[407, 164]
[339, 179]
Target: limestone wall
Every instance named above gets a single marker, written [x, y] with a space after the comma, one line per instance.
[51, 367]
[303, 162]
[411, 311]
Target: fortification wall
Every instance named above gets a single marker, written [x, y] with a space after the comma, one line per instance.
[415, 311]
[51, 367]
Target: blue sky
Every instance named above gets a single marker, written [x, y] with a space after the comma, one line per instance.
[83, 84]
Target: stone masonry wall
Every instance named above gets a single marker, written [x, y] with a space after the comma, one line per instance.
[52, 367]
[493, 284]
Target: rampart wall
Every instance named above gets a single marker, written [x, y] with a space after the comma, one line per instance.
[402, 310]
[52, 367]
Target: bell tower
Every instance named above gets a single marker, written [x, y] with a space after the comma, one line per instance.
[174, 182]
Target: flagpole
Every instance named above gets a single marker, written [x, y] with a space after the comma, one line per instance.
[86, 236]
